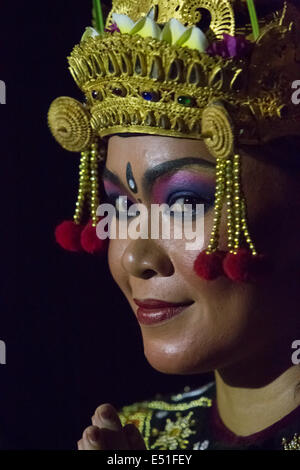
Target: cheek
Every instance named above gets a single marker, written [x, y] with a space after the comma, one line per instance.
[115, 254]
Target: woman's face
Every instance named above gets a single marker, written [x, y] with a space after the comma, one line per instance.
[220, 323]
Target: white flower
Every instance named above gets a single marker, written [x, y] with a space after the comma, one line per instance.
[193, 38]
[146, 27]
[89, 33]
[172, 31]
[124, 23]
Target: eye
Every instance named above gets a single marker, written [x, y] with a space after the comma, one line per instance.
[187, 203]
[121, 204]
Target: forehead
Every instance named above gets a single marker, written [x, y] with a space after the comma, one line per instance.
[145, 152]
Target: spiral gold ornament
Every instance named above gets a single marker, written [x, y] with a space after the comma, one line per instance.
[217, 125]
[221, 12]
[69, 122]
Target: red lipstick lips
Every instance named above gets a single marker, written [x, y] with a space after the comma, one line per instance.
[151, 311]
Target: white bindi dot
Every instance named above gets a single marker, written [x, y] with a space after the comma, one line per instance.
[130, 179]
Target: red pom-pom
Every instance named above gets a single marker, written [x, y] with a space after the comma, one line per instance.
[90, 242]
[244, 267]
[67, 235]
[209, 266]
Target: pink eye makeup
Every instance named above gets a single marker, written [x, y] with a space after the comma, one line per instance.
[186, 185]
[112, 188]
[113, 192]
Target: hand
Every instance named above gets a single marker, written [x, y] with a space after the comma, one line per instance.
[107, 433]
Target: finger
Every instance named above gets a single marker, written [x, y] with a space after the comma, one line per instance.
[114, 440]
[80, 445]
[107, 417]
[134, 437]
[93, 439]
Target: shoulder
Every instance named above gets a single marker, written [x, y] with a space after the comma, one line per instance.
[170, 421]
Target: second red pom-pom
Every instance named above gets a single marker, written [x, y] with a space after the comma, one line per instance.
[90, 242]
[209, 266]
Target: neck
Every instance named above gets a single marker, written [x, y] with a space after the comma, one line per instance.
[246, 410]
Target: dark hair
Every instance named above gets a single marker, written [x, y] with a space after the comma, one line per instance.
[283, 152]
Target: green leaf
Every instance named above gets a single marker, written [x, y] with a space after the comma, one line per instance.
[253, 18]
[138, 25]
[166, 34]
[185, 37]
[98, 16]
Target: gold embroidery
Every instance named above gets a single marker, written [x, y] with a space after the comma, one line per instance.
[164, 406]
[292, 444]
[175, 434]
[140, 415]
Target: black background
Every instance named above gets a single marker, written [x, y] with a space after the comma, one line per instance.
[72, 340]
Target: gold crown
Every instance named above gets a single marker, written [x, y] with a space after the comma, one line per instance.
[118, 73]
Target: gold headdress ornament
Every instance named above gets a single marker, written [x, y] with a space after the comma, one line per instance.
[154, 70]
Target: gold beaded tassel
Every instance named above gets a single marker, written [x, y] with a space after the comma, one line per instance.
[237, 202]
[88, 184]
[68, 234]
[219, 199]
[240, 216]
[238, 264]
[229, 204]
[228, 187]
[84, 186]
[94, 178]
[89, 239]
[246, 229]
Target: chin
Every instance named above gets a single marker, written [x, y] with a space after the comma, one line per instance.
[175, 360]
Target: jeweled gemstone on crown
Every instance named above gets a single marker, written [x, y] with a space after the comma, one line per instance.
[117, 91]
[150, 95]
[186, 101]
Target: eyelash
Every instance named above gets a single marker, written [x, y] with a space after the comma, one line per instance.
[208, 202]
[112, 199]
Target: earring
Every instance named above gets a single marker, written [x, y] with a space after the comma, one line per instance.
[74, 235]
[237, 263]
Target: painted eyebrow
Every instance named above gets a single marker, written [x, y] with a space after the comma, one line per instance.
[153, 174]
[108, 175]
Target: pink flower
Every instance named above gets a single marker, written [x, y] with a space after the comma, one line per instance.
[230, 46]
[112, 28]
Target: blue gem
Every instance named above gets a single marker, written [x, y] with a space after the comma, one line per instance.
[147, 96]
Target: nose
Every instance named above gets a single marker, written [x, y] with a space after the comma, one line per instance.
[145, 259]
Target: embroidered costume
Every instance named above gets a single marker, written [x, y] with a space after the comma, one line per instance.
[190, 421]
